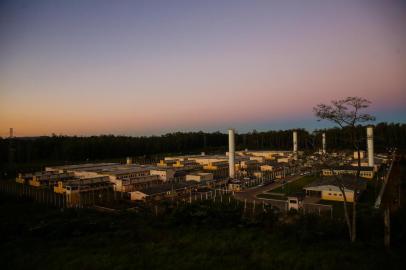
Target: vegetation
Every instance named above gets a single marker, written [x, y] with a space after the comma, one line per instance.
[273, 196]
[39, 151]
[296, 186]
[197, 236]
[347, 113]
[204, 235]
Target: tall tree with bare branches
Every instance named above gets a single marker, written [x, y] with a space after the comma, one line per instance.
[347, 113]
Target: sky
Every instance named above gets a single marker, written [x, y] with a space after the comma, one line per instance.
[84, 67]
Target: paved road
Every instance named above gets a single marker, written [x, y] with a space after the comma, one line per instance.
[251, 194]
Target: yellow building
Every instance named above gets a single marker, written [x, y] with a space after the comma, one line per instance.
[83, 191]
[199, 177]
[164, 174]
[23, 178]
[327, 188]
[248, 164]
[218, 169]
[132, 178]
[48, 179]
[235, 185]
[269, 155]
[365, 172]
[266, 168]
[166, 163]
[284, 160]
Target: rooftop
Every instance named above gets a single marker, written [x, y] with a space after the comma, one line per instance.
[81, 166]
[161, 188]
[350, 168]
[348, 181]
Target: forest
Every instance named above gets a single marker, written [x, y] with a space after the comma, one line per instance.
[59, 148]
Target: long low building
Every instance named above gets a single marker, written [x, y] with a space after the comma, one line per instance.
[78, 191]
[365, 172]
[44, 179]
[131, 177]
[125, 177]
[327, 188]
[199, 177]
[134, 183]
[166, 190]
[164, 174]
[81, 167]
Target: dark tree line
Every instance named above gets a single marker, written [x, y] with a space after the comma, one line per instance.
[72, 148]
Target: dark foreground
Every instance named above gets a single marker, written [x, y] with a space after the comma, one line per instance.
[204, 236]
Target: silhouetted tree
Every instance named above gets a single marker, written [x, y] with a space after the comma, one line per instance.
[347, 113]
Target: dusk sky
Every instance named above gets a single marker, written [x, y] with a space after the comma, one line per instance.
[151, 67]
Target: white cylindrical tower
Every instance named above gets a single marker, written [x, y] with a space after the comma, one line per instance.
[370, 146]
[295, 142]
[324, 142]
[231, 153]
[129, 160]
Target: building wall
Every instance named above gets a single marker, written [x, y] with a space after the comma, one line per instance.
[127, 185]
[137, 196]
[234, 187]
[218, 172]
[283, 160]
[334, 195]
[361, 153]
[259, 159]
[364, 174]
[199, 177]
[59, 188]
[164, 175]
[266, 168]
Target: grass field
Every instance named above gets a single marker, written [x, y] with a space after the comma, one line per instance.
[296, 186]
[272, 196]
